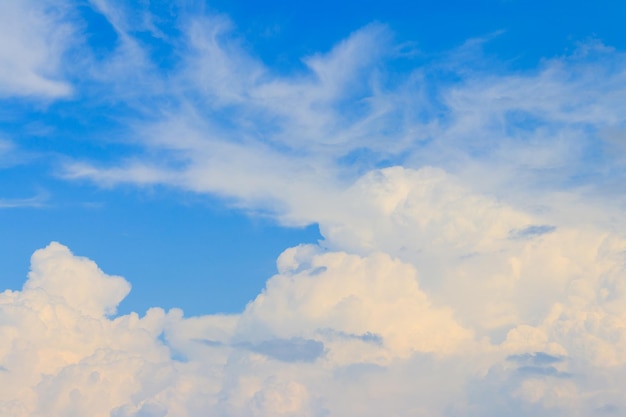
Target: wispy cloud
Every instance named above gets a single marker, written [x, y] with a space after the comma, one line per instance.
[36, 201]
[224, 123]
[33, 37]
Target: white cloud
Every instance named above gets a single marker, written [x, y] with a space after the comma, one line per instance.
[472, 277]
[78, 283]
[58, 347]
[227, 124]
[371, 309]
[441, 300]
[288, 131]
[61, 355]
[33, 37]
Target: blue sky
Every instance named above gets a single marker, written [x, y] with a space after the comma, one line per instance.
[332, 192]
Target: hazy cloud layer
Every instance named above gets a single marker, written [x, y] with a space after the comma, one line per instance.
[464, 269]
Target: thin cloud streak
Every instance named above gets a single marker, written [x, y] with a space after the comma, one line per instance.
[37, 201]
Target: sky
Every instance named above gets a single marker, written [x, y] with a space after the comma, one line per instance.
[325, 209]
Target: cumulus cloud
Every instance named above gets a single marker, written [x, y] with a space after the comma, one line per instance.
[349, 294]
[456, 313]
[58, 346]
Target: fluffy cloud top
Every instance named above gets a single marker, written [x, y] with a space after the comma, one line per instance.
[75, 282]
